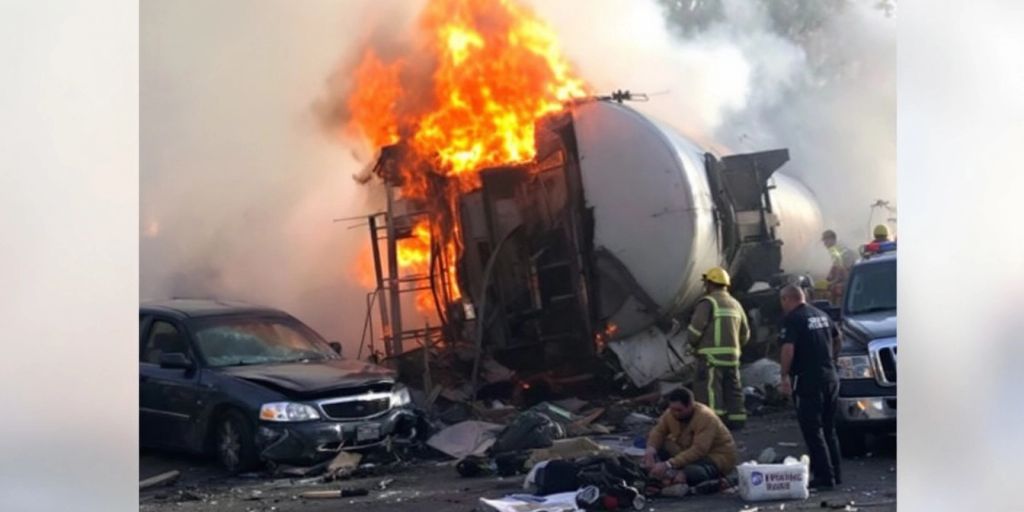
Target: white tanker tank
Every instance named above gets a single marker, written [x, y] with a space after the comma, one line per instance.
[605, 236]
[654, 212]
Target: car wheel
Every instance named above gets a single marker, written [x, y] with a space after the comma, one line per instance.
[234, 442]
[852, 442]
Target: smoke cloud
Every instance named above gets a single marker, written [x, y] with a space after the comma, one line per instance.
[244, 166]
[815, 76]
[239, 182]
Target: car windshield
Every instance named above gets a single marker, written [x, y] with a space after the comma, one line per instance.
[872, 288]
[244, 341]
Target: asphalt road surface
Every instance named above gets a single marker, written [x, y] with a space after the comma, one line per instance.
[869, 482]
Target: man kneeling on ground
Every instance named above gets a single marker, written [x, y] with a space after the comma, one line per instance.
[690, 445]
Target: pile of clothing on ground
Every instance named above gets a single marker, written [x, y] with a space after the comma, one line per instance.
[564, 473]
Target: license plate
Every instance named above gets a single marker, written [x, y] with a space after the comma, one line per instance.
[368, 432]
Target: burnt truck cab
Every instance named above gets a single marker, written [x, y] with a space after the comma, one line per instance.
[867, 360]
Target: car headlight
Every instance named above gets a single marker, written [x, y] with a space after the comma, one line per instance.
[855, 367]
[400, 396]
[288, 411]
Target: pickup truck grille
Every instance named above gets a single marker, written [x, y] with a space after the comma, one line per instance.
[883, 358]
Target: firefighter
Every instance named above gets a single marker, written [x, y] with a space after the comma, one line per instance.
[881, 233]
[718, 330]
[842, 261]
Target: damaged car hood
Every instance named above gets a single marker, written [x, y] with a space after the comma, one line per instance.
[864, 328]
[313, 376]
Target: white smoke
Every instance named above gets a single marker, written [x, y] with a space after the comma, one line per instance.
[748, 79]
[239, 183]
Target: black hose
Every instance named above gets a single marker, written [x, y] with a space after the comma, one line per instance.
[482, 313]
[434, 247]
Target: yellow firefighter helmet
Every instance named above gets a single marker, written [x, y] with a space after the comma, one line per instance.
[881, 231]
[717, 275]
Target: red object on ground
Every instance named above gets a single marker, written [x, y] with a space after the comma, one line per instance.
[611, 503]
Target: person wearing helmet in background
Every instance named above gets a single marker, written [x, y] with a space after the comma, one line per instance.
[718, 330]
[881, 233]
[842, 261]
[880, 242]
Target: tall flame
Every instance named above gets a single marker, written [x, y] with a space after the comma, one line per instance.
[490, 87]
[496, 70]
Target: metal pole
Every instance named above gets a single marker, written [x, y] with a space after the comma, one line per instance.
[385, 322]
[428, 384]
[396, 306]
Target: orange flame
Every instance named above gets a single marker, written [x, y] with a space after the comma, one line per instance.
[497, 70]
[372, 104]
[414, 252]
[490, 86]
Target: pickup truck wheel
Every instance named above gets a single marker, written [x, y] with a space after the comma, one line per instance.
[852, 442]
[235, 442]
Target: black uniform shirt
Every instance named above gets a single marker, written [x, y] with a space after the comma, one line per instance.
[811, 332]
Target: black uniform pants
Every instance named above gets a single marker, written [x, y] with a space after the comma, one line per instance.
[815, 410]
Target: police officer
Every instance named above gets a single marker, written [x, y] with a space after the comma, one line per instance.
[718, 330]
[810, 343]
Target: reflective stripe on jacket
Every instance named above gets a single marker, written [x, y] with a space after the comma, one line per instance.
[718, 329]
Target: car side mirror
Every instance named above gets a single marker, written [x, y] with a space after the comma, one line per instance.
[336, 345]
[175, 360]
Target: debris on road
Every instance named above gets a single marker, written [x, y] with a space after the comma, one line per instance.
[474, 466]
[161, 479]
[565, 501]
[465, 438]
[340, 493]
[530, 429]
[428, 487]
[343, 465]
[761, 374]
[625, 445]
[564, 449]
[300, 471]
[636, 419]
[767, 456]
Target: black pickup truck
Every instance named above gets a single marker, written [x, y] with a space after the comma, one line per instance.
[867, 361]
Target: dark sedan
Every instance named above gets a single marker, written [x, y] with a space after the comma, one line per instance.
[254, 384]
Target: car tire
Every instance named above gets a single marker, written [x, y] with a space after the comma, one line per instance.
[234, 442]
[852, 442]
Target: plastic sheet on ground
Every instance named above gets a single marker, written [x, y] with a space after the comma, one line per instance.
[563, 502]
[646, 356]
[466, 438]
[761, 373]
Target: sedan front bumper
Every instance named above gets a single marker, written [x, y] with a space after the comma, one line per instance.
[314, 441]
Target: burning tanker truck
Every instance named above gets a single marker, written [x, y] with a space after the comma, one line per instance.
[593, 250]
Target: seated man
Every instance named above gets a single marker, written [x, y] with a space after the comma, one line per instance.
[690, 444]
